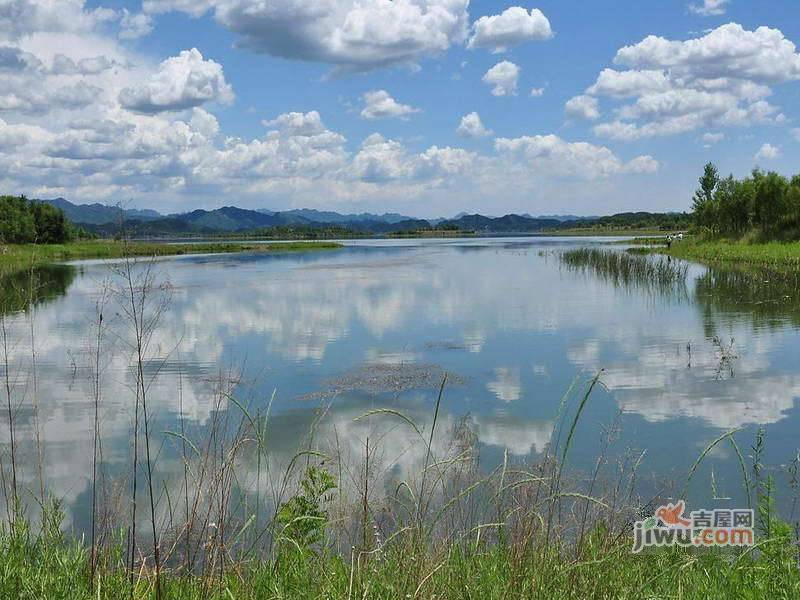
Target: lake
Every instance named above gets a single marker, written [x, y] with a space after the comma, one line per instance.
[318, 339]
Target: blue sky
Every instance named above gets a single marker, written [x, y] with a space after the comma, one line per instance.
[357, 105]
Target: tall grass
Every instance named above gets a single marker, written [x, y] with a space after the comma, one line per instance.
[774, 255]
[629, 270]
[406, 557]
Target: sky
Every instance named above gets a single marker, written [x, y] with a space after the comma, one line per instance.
[423, 107]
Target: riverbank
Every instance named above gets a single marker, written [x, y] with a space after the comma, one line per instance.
[50, 566]
[18, 256]
[604, 232]
[775, 255]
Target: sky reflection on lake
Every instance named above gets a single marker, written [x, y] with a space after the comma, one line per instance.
[376, 323]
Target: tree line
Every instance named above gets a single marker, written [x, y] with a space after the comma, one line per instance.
[24, 221]
[767, 204]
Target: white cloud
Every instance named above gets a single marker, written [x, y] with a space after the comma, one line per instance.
[551, 154]
[63, 65]
[767, 152]
[354, 35]
[796, 134]
[134, 25]
[763, 55]
[378, 104]
[472, 126]
[181, 82]
[712, 138]
[709, 8]
[503, 76]
[19, 18]
[512, 27]
[381, 160]
[297, 123]
[721, 79]
[622, 84]
[537, 92]
[642, 164]
[582, 107]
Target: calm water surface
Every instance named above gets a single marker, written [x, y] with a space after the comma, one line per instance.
[376, 324]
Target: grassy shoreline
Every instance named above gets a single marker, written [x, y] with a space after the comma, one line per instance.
[776, 255]
[14, 256]
[50, 566]
[605, 232]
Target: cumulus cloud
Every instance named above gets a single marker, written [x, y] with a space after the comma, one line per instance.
[13, 59]
[297, 123]
[64, 65]
[582, 107]
[503, 77]
[134, 25]
[512, 27]
[709, 139]
[767, 152]
[472, 126]
[709, 8]
[19, 18]
[181, 82]
[728, 51]
[378, 104]
[721, 79]
[623, 84]
[382, 160]
[796, 134]
[537, 92]
[354, 35]
[551, 154]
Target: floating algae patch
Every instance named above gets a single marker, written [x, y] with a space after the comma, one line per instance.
[383, 378]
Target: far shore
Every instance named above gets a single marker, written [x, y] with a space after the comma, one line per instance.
[21, 256]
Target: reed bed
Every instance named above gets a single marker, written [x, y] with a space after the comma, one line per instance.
[629, 269]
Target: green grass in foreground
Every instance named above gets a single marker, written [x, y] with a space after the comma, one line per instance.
[779, 255]
[50, 566]
[24, 255]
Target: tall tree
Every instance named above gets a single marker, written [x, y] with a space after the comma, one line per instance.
[703, 203]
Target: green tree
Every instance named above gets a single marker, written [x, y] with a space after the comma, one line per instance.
[703, 204]
[770, 202]
[23, 222]
[52, 226]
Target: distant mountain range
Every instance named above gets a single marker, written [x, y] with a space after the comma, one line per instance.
[325, 216]
[107, 220]
[99, 214]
